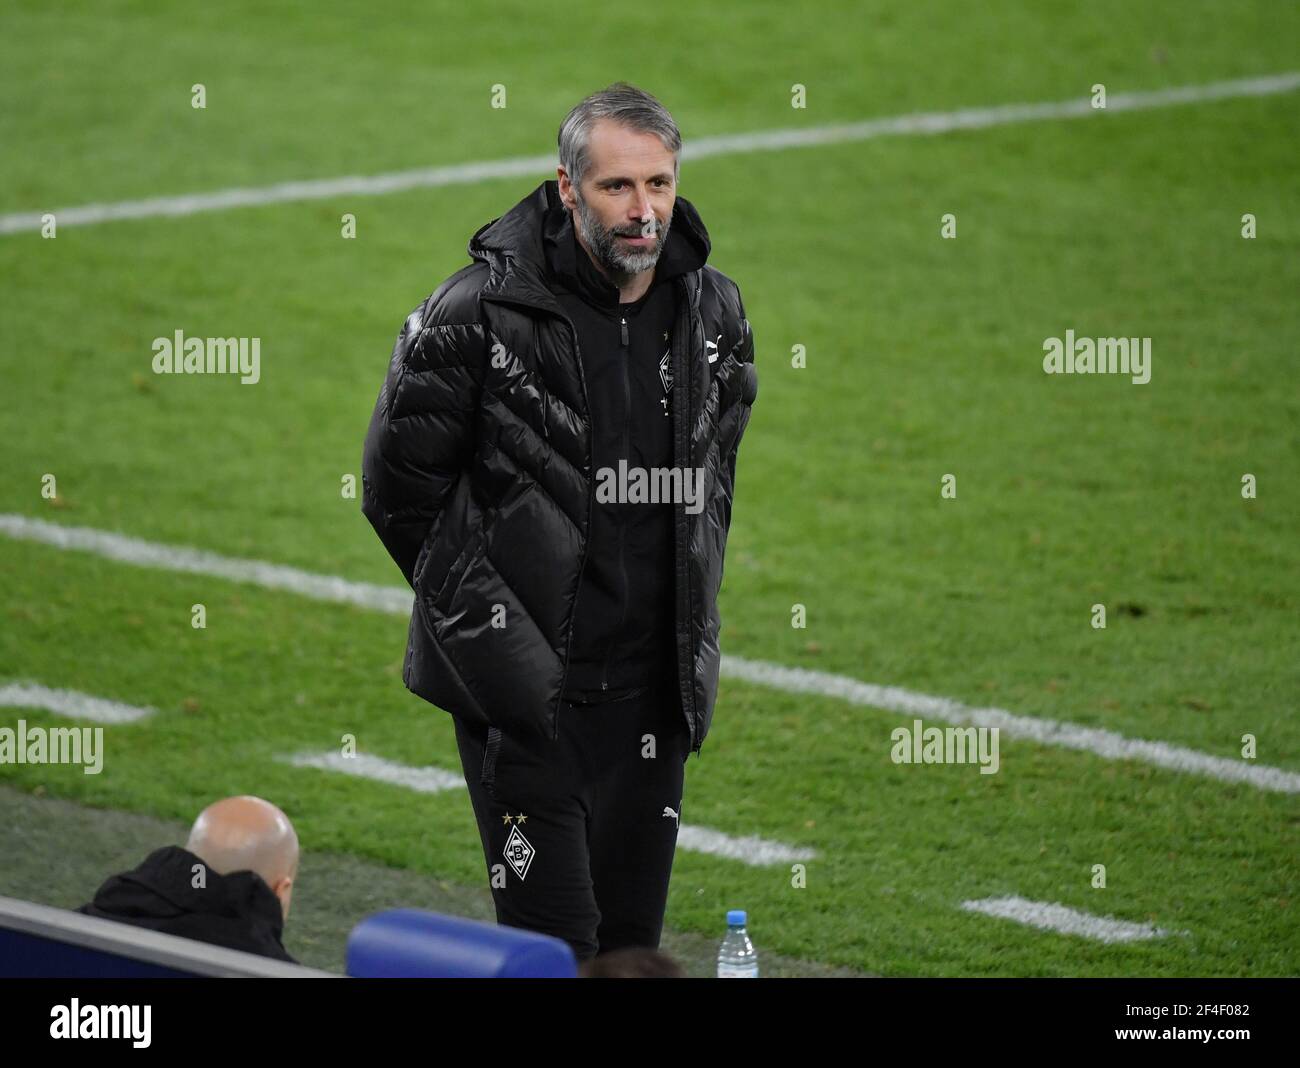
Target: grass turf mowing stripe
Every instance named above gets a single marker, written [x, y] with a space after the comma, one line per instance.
[925, 123]
[397, 601]
[69, 703]
[1051, 917]
[751, 850]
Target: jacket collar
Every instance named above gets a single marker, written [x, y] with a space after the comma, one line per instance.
[515, 247]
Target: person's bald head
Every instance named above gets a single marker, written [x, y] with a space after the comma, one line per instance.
[248, 834]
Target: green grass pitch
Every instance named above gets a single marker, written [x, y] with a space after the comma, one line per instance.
[923, 359]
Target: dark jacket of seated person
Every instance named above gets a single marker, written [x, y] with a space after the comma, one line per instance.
[237, 910]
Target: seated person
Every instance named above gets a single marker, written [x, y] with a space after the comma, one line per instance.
[230, 886]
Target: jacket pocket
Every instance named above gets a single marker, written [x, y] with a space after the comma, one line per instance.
[451, 583]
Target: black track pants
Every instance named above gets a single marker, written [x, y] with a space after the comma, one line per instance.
[579, 833]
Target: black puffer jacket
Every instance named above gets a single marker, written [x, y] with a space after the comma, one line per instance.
[477, 476]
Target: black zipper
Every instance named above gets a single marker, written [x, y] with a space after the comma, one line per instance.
[681, 412]
[622, 522]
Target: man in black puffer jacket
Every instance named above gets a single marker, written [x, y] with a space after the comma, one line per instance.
[551, 463]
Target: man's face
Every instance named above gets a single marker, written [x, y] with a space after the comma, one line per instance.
[624, 206]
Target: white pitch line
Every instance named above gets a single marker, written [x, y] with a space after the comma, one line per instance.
[756, 852]
[398, 601]
[365, 766]
[69, 703]
[918, 123]
[1093, 740]
[1051, 917]
[127, 550]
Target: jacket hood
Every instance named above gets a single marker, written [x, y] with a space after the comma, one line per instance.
[515, 244]
[162, 887]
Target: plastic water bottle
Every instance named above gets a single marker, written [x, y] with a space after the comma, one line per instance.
[736, 958]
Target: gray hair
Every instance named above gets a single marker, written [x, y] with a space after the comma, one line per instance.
[626, 105]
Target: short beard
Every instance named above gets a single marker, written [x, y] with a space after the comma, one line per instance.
[618, 263]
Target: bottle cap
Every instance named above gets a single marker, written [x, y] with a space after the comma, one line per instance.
[735, 917]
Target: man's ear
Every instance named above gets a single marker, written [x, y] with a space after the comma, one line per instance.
[567, 201]
[282, 888]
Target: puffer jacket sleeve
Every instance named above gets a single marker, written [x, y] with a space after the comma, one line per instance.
[421, 433]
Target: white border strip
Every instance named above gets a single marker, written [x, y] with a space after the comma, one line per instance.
[398, 601]
[923, 123]
[69, 703]
[1051, 917]
[756, 852]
